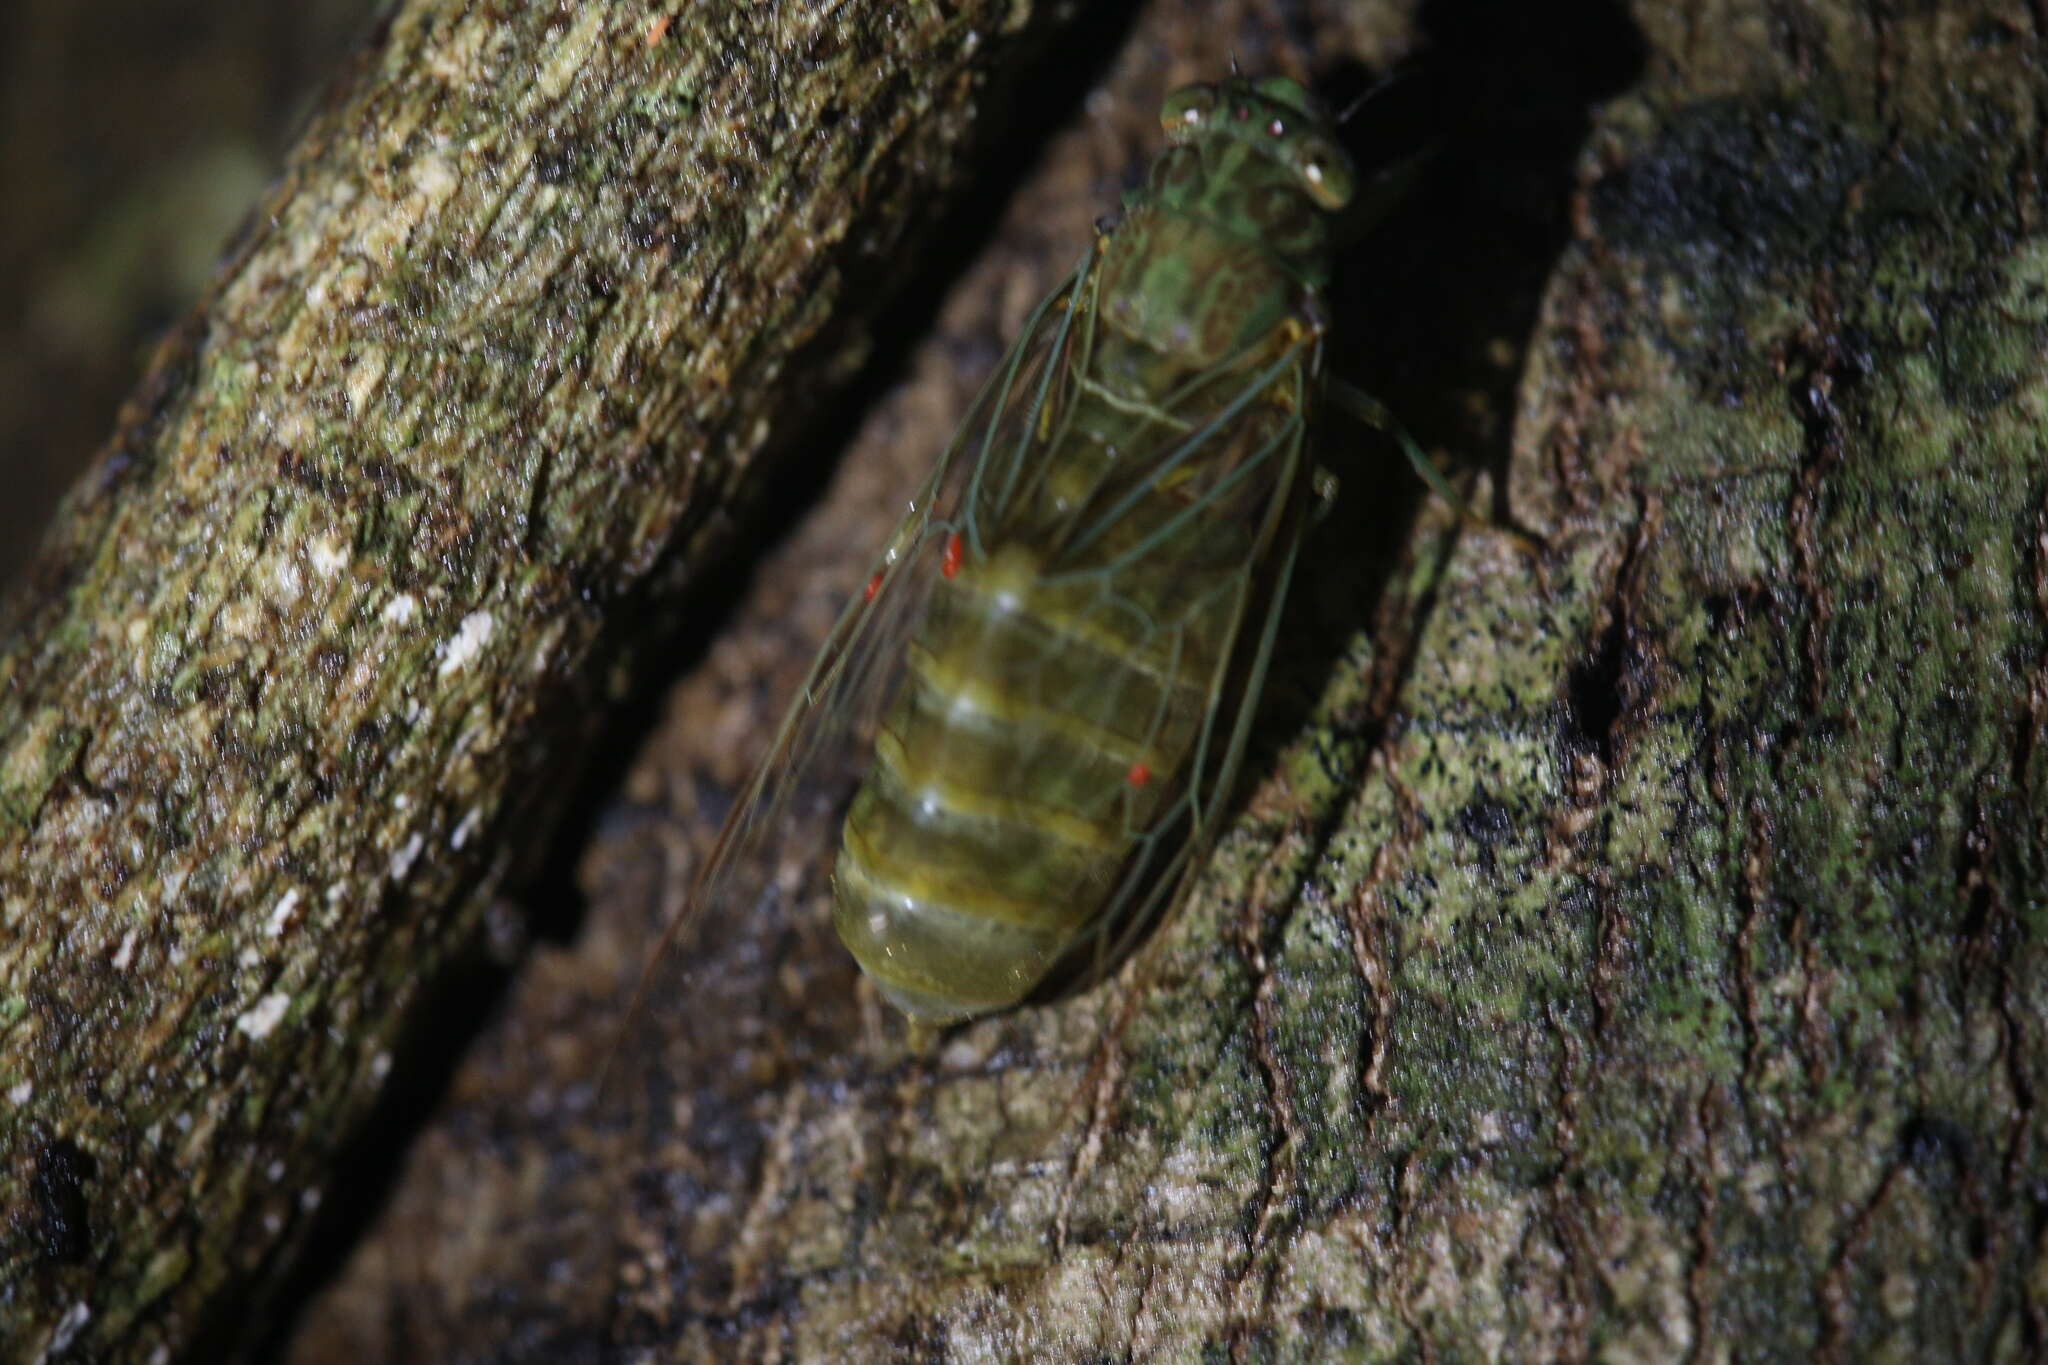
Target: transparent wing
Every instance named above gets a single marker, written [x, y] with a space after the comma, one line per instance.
[1169, 851]
[828, 732]
[1163, 530]
[1174, 829]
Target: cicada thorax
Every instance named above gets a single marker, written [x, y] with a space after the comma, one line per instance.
[1060, 729]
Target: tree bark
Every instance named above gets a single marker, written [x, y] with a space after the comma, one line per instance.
[280, 697]
[1629, 955]
[1634, 955]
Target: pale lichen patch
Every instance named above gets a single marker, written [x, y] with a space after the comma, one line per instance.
[436, 178]
[453, 57]
[573, 50]
[240, 618]
[282, 913]
[407, 854]
[264, 1016]
[401, 609]
[328, 556]
[468, 641]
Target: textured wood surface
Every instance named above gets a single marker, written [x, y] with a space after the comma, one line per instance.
[289, 685]
[1633, 958]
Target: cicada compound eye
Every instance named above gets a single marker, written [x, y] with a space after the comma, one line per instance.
[1187, 109]
[1325, 173]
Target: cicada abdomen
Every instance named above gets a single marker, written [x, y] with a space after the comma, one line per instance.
[1050, 675]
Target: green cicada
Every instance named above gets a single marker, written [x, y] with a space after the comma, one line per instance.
[1050, 676]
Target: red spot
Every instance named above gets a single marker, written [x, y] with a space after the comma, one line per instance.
[950, 565]
[874, 586]
[1139, 774]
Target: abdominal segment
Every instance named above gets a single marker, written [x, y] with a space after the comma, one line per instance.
[1024, 755]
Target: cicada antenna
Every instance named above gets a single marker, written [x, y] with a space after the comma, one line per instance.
[1371, 93]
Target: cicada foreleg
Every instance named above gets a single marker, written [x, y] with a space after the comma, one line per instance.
[1373, 413]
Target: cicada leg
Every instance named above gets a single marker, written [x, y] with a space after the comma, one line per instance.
[1326, 487]
[1373, 413]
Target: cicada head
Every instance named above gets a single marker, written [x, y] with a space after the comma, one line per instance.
[1261, 159]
